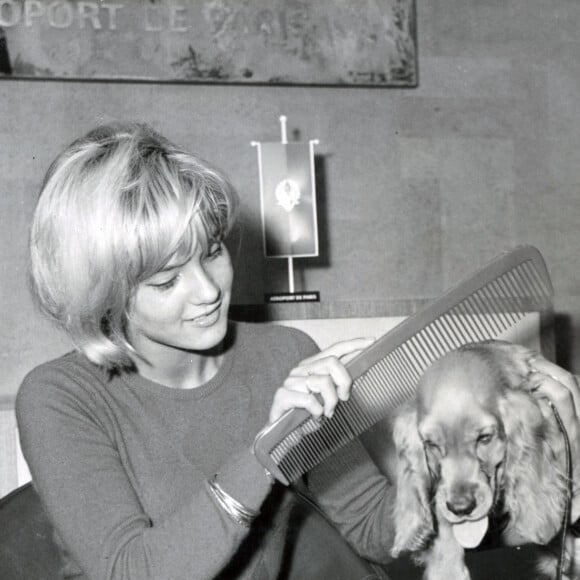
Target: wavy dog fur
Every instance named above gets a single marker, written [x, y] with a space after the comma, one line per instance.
[474, 439]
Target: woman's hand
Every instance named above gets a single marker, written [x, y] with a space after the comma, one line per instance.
[561, 388]
[318, 382]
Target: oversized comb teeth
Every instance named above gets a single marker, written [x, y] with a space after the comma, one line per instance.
[484, 306]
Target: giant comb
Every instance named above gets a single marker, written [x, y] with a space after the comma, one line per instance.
[481, 307]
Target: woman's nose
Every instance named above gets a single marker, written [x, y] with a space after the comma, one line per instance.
[203, 289]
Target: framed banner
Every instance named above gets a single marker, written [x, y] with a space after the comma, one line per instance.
[279, 42]
[288, 199]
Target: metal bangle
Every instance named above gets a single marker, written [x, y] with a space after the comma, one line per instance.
[239, 513]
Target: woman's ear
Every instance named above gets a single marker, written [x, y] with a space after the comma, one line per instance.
[412, 514]
[534, 487]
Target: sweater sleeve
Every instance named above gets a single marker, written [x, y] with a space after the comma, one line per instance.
[77, 471]
[358, 499]
[354, 494]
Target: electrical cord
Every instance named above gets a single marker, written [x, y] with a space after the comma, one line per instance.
[568, 505]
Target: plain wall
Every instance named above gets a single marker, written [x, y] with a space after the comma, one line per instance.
[417, 187]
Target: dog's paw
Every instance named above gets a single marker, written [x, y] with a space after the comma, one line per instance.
[446, 571]
[547, 563]
[546, 566]
[446, 559]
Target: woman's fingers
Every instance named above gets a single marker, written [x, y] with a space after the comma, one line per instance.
[328, 363]
[286, 399]
[341, 349]
[554, 384]
[309, 375]
[322, 386]
[318, 382]
[555, 391]
[558, 385]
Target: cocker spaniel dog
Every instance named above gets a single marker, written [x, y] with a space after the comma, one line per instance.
[473, 446]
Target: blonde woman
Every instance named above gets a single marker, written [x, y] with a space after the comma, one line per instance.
[139, 441]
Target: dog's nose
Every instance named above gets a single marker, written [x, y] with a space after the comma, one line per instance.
[461, 506]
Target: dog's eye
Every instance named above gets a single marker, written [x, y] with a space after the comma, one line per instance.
[485, 438]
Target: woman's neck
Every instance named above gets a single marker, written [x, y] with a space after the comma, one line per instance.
[184, 370]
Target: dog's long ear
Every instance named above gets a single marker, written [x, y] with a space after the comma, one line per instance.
[412, 513]
[534, 491]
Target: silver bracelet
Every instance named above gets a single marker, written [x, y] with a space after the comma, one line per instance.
[239, 513]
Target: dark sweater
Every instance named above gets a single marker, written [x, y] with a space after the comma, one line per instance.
[121, 464]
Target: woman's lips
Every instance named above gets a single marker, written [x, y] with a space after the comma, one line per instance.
[207, 318]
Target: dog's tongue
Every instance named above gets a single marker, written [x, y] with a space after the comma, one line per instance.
[470, 534]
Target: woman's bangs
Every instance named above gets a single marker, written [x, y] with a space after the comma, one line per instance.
[177, 209]
[204, 226]
[216, 211]
[160, 233]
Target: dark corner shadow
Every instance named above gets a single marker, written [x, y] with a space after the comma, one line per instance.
[5, 64]
[321, 183]
[564, 341]
[291, 554]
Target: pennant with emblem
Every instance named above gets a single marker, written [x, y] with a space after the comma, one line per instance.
[288, 199]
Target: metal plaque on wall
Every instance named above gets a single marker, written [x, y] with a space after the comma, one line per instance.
[306, 42]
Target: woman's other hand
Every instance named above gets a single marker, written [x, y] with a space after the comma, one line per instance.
[561, 388]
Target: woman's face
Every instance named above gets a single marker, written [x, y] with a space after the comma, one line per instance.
[183, 307]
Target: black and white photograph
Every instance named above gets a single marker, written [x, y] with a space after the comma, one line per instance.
[290, 290]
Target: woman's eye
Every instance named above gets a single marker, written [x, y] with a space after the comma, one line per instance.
[165, 285]
[215, 250]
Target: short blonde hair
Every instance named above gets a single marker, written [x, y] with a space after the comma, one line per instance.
[115, 207]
